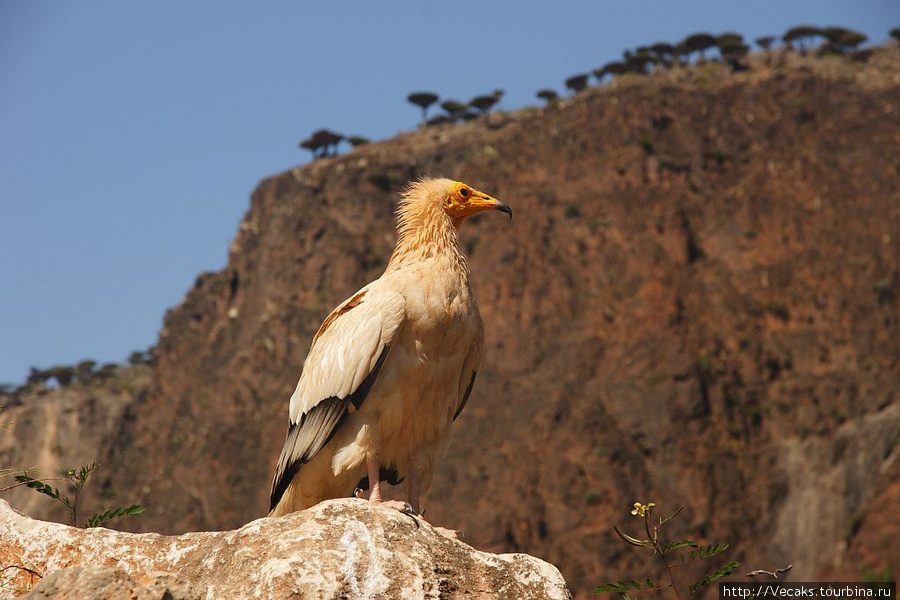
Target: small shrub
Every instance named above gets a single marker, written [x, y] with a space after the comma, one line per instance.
[778, 310]
[386, 180]
[573, 210]
[765, 42]
[484, 104]
[547, 95]
[423, 100]
[455, 109]
[76, 480]
[577, 83]
[673, 554]
[656, 379]
[705, 363]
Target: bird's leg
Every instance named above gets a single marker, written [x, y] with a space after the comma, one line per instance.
[414, 477]
[373, 466]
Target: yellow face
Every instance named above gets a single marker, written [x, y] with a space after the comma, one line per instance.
[463, 201]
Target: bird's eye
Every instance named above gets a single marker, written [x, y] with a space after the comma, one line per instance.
[464, 192]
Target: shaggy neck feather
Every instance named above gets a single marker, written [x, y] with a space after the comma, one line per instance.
[425, 231]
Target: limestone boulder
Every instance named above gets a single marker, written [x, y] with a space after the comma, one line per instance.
[338, 549]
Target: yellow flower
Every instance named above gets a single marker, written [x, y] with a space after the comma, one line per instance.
[641, 510]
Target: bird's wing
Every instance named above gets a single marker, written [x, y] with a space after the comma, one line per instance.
[342, 365]
[466, 393]
[467, 377]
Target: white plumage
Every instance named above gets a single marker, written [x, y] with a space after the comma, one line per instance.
[392, 366]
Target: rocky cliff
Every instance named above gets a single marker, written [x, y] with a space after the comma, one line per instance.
[47, 431]
[696, 304]
[338, 549]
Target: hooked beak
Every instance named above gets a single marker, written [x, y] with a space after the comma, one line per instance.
[504, 207]
[481, 202]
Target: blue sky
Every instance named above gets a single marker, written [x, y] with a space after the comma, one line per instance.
[134, 132]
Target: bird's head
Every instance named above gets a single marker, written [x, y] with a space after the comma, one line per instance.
[431, 211]
[461, 201]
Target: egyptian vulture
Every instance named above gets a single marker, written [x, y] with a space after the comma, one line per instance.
[391, 367]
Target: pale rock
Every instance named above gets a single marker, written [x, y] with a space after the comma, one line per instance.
[338, 549]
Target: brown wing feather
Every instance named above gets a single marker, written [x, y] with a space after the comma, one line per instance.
[315, 429]
[344, 361]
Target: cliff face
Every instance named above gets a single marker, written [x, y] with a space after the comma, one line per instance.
[48, 431]
[696, 304]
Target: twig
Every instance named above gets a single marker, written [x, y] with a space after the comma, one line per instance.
[21, 568]
[774, 574]
[15, 485]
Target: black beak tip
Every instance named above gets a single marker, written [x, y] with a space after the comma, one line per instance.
[504, 207]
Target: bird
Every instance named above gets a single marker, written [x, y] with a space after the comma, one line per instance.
[391, 367]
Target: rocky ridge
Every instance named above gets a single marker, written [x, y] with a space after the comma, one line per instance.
[337, 549]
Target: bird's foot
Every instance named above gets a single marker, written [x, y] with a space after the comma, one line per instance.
[404, 507]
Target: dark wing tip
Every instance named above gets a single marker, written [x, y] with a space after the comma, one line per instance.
[304, 440]
[465, 399]
[314, 430]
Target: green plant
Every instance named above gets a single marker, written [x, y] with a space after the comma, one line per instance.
[547, 95]
[593, 497]
[655, 379]
[322, 143]
[803, 35]
[862, 56]
[665, 53]
[423, 100]
[765, 42]
[454, 108]
[484, 104]
[698, 42]
[732, 49]
[778, 310]
[613, 68]
[873, 576]
[76, 480]
[705, 363]
[357, 140]
[384, 179]
[573, 210]
[673, 554]
[840, 40]
[143, 357]
[641, 62]
[577, 83]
